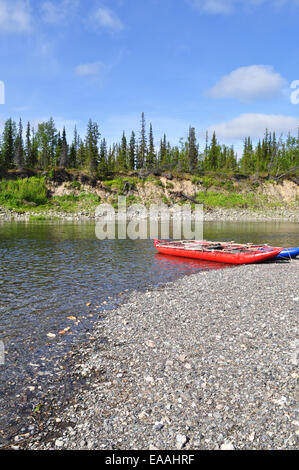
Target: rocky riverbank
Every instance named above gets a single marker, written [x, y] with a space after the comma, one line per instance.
[210, 215]
[206, 362]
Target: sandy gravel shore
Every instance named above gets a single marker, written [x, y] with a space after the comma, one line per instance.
[206, 362]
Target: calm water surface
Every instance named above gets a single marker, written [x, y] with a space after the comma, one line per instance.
[50, 270]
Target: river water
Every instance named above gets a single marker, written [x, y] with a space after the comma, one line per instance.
[50, 271]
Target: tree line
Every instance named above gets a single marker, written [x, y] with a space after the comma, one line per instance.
[45, 148]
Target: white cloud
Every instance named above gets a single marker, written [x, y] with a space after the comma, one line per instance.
[254, 125]
[107, 19]
[92, 69]
[15, 16]
[57, 11]
[215, 7]
[249, 83]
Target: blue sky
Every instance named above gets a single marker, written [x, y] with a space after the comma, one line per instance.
[226, 65]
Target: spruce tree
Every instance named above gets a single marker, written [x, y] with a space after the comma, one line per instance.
[265, 151]
[223, 158]
[163, 152]
[151, 156]
[8, 144]
[34, 150]
[103, 163]
[206, 152]
[19, 154]
[192, 150]
[213, 154]
[247, 161]
[72, 160]
[132, 152]
[183, 152]
[111, 158]
[92, 152]
[52, 133]
[28, 147]
[48, 148]
[73, 150]
[58, 150]
[274, 154]
[64, 156]
[122, 154]
[142, 150]
[231, 160]
[47, 140]
[76, 140]
[81, 155]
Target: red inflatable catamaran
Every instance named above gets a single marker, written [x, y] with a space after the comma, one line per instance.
[214, 251]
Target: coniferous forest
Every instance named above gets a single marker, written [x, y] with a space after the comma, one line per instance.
[44, 148]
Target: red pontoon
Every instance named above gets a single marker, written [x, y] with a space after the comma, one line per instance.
[214, 251]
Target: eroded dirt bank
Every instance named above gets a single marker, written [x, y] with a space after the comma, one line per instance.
[75, 196]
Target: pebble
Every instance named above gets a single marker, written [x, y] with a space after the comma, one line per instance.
[59, 443]
[181, 440]
[227, 446]
[158, 426]
[149, 379]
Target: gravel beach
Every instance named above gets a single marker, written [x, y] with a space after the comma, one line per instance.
[285, 214]
[206, 362]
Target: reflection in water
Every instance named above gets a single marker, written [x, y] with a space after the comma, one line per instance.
[187, 265]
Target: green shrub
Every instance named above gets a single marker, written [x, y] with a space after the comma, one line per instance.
[75, 185]
[51, 173]
[214, 199]
[208, 182]
[133, 200]
[18, 193]
[118, 184]
[228, 185]
[166, 201]
[151, 179]
[73, 203]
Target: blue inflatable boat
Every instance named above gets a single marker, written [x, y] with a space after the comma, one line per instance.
[288, 253]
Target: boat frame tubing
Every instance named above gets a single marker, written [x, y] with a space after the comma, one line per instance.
[247, 256]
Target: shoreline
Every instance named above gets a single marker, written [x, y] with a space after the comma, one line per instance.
[210, 215]
[187, 366]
